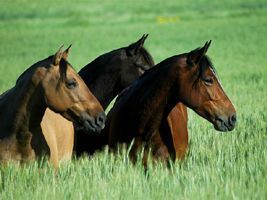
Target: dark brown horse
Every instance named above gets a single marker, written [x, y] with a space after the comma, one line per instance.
[140, 112]
[51, 83]
[106, 76]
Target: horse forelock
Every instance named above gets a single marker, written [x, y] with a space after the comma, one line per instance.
[63, 69]
[206, 63]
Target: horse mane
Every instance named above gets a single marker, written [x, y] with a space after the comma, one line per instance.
[63, 67]
[147, 74]
[88, 70]
[147, 56]
[31, 68]
[149, 59]
[204, 63]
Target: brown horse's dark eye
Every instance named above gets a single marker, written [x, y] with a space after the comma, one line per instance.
[71, 83]
[208, 80]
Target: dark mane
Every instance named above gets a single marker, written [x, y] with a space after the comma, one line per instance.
[206, 62]
[148, 73]
[147, 56]
[63, 67]
[32, 67]
[88, 72]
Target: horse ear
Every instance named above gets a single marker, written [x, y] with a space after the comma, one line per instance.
[196, 55]
[66, 53]
[134, 48]
[58, 56]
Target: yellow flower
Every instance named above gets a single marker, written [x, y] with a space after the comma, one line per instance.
[167, 19]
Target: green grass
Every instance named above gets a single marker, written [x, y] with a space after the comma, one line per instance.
[218, 166]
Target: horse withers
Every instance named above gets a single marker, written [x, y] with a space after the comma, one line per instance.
[139, 112]
[51, 83]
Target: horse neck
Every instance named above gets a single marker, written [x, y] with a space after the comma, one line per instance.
[104, 86]
[27, 109]
[105, 92]
[155, 102]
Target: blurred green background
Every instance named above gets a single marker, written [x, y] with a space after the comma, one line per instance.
[218, 166]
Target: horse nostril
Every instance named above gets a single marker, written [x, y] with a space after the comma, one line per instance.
[101, 118]
[232, 119]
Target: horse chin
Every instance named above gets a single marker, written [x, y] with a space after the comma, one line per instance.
[69, 115]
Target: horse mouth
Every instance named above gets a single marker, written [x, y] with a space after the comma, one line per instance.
[89, 126]
[86, 122]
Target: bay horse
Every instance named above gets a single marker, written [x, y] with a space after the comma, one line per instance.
[141, 110]
[52, 83]
[106, 77]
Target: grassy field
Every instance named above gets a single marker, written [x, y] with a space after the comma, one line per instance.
[218, 166]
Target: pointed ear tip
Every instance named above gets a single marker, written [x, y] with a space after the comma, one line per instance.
[207, 44]
[69, 47]
[144, 36]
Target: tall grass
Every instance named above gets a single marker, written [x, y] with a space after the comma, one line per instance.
[218, 165]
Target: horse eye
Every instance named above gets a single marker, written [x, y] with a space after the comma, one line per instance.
[208, 80]
[71, 83]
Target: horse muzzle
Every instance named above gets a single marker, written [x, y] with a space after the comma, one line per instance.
[225, 124]
[87, 122]
[91, 124]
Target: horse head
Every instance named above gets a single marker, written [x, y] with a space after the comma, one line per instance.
[66, 93]
[201, 90]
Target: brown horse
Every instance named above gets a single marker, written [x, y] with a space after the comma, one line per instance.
[106, 76]
[51, 83]
[140, 111]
